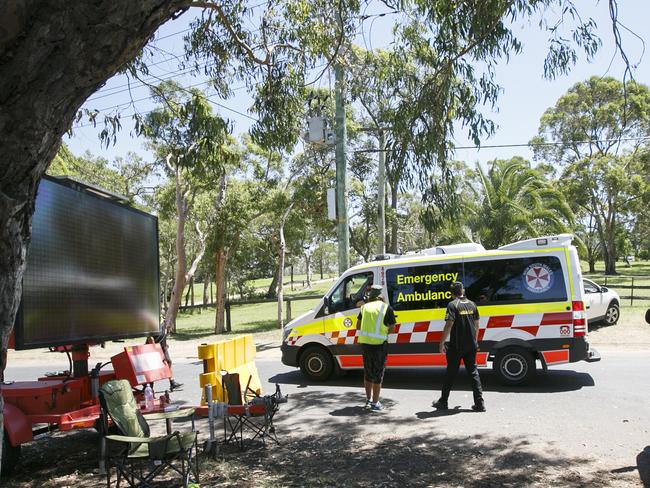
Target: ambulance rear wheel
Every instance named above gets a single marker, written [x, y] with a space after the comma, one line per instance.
[514, 366]
[316, 363]
[10, 455]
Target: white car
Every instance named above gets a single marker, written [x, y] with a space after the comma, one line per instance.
[602, 303]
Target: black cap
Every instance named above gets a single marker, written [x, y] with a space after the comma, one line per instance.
[375, 291]
[456, 288]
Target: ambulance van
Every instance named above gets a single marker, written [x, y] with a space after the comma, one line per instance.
[529, 294]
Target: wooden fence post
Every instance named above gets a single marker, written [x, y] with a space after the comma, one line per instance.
[228, 321]
[632, 294]
[288, 309]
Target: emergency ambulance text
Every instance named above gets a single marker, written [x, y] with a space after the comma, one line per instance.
[426, 278]
[428, 296]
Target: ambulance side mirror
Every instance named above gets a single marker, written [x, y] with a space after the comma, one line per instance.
[328, 304]
[604, 289]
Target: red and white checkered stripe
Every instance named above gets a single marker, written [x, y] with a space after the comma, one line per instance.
[538, 325]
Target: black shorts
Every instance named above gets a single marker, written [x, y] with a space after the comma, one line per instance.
[374, 362]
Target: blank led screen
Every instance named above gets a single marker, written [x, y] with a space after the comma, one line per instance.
[91, 273]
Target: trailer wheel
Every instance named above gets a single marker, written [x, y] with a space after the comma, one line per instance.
[10, 455]
[612, 314]
[514, 366]
[316, 363]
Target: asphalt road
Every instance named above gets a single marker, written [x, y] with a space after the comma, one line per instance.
[596, 411]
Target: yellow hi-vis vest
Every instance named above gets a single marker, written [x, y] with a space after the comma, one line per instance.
[373, 330]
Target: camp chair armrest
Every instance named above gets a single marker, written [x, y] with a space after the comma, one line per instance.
[125, 438]
[175, 414]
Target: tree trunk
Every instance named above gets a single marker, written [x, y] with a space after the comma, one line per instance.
[308, 269]
[393, 225]
[53, 56]
[206, 284]
[272, 292]
[220, 260]
[592, 263]
[282, 248]
[180, 276]
[190, 292]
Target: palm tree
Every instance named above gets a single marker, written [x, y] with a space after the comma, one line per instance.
[516, 202]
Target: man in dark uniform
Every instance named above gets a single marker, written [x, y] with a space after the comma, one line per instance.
[461, 328]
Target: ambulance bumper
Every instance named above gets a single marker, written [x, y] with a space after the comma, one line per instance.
[289, 355]
[592, 356]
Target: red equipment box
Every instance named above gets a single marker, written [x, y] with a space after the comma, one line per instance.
[141, 364]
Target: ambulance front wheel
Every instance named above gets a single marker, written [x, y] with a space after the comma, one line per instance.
[514, 366]
[316, 363]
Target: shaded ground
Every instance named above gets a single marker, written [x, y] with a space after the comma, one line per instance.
[342, 458]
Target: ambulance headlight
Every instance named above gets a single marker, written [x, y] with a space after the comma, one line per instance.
[285, 333]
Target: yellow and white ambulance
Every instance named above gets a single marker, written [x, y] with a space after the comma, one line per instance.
[529, 294]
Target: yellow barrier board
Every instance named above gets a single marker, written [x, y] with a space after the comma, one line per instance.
[229, 356]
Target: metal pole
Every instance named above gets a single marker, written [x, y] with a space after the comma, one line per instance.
[341, 176]
[381, 197]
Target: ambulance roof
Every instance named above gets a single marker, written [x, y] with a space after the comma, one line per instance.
[465, 251]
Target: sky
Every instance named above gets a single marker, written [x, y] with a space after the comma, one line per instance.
[525, 96]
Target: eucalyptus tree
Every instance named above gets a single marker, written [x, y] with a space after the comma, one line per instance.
[189, 141]
[599, 130]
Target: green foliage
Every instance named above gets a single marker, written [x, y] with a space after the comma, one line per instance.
[509, 202]
[516, 202]
[600, 110]
[605, 179]
[126, 177]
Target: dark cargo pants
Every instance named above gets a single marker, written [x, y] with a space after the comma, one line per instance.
[453, 363]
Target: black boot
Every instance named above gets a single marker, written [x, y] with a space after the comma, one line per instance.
[175, 385]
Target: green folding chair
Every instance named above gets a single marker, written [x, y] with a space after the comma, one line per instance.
[128, 446]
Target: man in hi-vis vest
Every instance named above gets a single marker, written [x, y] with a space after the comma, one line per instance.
[376, 320]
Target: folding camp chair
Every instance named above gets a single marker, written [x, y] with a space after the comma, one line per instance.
[138, 457]
[254, 416]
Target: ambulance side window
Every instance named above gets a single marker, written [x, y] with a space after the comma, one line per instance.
[350, 292]
[519, 280]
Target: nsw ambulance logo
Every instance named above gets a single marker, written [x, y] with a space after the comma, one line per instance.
[538, 278]
[347, 323]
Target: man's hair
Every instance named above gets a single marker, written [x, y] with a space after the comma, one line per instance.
[456, 289]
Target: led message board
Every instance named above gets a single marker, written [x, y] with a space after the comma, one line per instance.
[92, 270]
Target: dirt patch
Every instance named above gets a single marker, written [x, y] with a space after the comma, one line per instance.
[631, 331]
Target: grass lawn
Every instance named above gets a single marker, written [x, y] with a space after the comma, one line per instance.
[638, 274]
[262, 284]
[639, 270]
[246, 319]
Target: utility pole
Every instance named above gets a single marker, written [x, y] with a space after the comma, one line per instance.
[381, 195]
[341, 167]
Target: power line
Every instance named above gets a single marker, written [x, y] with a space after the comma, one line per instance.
[528, 144]
[186, 89]
[139, 83]
[550, 144]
